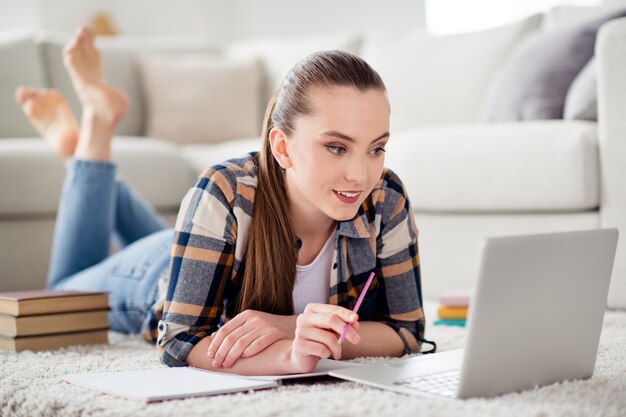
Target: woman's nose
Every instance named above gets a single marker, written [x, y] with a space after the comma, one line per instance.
[356, 170]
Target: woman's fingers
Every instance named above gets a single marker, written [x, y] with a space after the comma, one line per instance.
[331, 322]
[240, 346]
[343, 313]
[258, 345]
[238, 339]
[220, 335]
[312, 339]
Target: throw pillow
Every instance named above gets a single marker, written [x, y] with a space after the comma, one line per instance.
[433, 80]
[581, 99]
[534, 81]
[201, 98]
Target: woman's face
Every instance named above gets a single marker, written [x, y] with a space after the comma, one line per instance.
[336, 155]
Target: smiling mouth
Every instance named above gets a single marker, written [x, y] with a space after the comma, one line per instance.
[347, 197]
[349, 194]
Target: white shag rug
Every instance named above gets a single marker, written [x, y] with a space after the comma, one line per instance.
[31, 386]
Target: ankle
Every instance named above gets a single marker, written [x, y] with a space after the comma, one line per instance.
[94, 140]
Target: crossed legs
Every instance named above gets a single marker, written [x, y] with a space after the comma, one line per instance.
[94, 206]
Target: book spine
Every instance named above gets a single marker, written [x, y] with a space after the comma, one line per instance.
[445, 312]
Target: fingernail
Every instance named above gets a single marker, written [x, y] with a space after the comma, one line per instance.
[216, 364]
[210, 353]
[352, 316]
[226, 364]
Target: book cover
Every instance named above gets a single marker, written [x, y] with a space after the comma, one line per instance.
[22, 303]
[13, 326]
[455, 300]
[450, 322]
[53, 341]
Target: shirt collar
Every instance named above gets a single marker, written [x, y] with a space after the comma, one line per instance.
[358, 227]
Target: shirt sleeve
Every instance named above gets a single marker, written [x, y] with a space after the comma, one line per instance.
[398, 267]
[201, 261]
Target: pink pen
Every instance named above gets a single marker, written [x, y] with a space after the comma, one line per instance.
[356, 306]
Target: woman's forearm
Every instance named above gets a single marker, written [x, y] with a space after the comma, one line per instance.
[377, 339]
[274, 360]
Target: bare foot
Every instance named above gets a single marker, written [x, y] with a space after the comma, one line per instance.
[49, 113]
[82, 61]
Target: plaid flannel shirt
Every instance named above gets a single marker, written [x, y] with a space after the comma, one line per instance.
[203, 279]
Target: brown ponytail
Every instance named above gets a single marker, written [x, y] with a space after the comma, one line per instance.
[270, 267]
[270, 258]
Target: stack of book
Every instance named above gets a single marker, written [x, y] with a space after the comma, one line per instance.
[51, 319]
[453, 310]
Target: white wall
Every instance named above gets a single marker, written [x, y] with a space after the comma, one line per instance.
[456, 16]
[221, 19]
[18, 13]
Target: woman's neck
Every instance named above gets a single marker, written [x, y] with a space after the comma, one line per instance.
[307, 227]
[307, 221]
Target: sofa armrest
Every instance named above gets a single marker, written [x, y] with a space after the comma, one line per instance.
[611, 60]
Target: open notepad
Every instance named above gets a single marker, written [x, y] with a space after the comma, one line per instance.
[170, 383]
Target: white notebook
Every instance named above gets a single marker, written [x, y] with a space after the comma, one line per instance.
[166, 383]
[153, 384]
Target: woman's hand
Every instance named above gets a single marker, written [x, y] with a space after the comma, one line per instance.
[247, 334]
[317, 335]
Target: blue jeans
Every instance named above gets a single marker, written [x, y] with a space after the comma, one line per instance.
[94, 209]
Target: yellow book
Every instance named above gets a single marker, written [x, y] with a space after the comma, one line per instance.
[445, 312]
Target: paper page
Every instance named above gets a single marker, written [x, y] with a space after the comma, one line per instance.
[165, 383]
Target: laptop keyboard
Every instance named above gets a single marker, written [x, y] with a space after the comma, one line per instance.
[443, 384]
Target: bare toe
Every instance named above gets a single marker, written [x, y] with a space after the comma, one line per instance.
[23, 93]
[81, 57]
[48, 112]
[82, 60]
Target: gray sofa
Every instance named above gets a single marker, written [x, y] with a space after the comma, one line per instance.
[467, 180]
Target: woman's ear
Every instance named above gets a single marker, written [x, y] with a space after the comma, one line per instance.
[278, 143]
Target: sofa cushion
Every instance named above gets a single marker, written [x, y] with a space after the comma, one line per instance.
[533, 82]
[200, 98]
[19, 65]
[439, 79]
[581, 101]
[522, 167]
[153, 167]
[279, 54]
[119, 64]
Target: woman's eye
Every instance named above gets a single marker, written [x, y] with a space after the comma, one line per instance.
[379, 151]
[336, 149]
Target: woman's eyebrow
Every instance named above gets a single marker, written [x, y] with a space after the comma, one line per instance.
[348, 138]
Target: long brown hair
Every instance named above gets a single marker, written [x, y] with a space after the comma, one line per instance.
[271, 253]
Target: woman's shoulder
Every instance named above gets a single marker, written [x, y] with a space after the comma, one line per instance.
[228, 175]
[388, 188]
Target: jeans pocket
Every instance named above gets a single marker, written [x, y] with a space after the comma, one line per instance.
[136, 267]
[129, 270]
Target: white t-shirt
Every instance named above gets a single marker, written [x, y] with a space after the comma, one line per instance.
[313, 280]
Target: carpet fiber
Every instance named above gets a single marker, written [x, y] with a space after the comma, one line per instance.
[31, 386]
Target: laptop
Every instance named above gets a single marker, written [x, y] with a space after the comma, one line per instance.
[535, 319]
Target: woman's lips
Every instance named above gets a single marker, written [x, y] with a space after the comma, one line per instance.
[347, 198]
